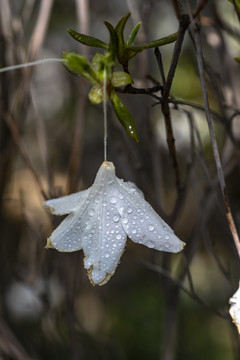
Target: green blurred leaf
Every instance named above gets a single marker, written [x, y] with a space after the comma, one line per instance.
[113, 43]
[133, 34]
[88, 40]
[95, 94]
[131, 52]
[123, 115]
[237, 59]
[78, 65]
[120, 78]
[237, 2]
[119, 31]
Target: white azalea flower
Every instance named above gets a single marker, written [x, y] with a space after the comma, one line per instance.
[235, 308]
[100, 219]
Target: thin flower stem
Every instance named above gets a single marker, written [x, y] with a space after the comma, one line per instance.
[105, 112]
[32, 63]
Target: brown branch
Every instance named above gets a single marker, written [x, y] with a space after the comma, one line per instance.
[199, 8]
[196, 36]
[183, 24]
[40, 29]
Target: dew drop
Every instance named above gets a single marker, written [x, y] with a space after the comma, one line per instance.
[104, 203]
[113, 200]
[150, 244]
[166, 245]
[141, 220]
[91, 212]
[166, 237]
[125, 221]
[151, 227]
[116, 218]
[134, 231]
[121, 196]
[118, 237]
[106, 255]
[129, 210]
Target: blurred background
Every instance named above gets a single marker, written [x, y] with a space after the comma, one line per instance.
[156, 306]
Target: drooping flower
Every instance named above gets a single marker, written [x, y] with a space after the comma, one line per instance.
[235, 308]
[100, 219]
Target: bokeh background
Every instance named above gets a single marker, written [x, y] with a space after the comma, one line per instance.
[156, 306]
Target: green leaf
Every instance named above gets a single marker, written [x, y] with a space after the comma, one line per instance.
[237, 59]
[78, 65]
[97, 61]
[131, 52]
[119, 31]
[120, 78]
[88, 40]
[95, 94]
[113, 43]
[133, 34]
[123, 115]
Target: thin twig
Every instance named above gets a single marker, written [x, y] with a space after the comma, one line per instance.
[196, 37]
[158, 55]
[192, 294]
[40, 29]
[21, 146]
[183, 24]
[199, 8]
[78, 139]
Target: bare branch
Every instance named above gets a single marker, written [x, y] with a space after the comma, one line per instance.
[196, 36]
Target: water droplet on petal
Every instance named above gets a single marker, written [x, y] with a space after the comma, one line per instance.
[150, 244]
[104, 203]
[166, 245]
[118, 237]
[106, 255]
[134, 231]
[166, 237]
[113, 200]
[116, 218]
[129, 210]
[91, 212]
[151, 227]
[121, 196]
[125, 221]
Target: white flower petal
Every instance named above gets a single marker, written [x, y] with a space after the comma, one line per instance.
[100, 220]
[235, 308]
[144, 226]
[66, 204]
